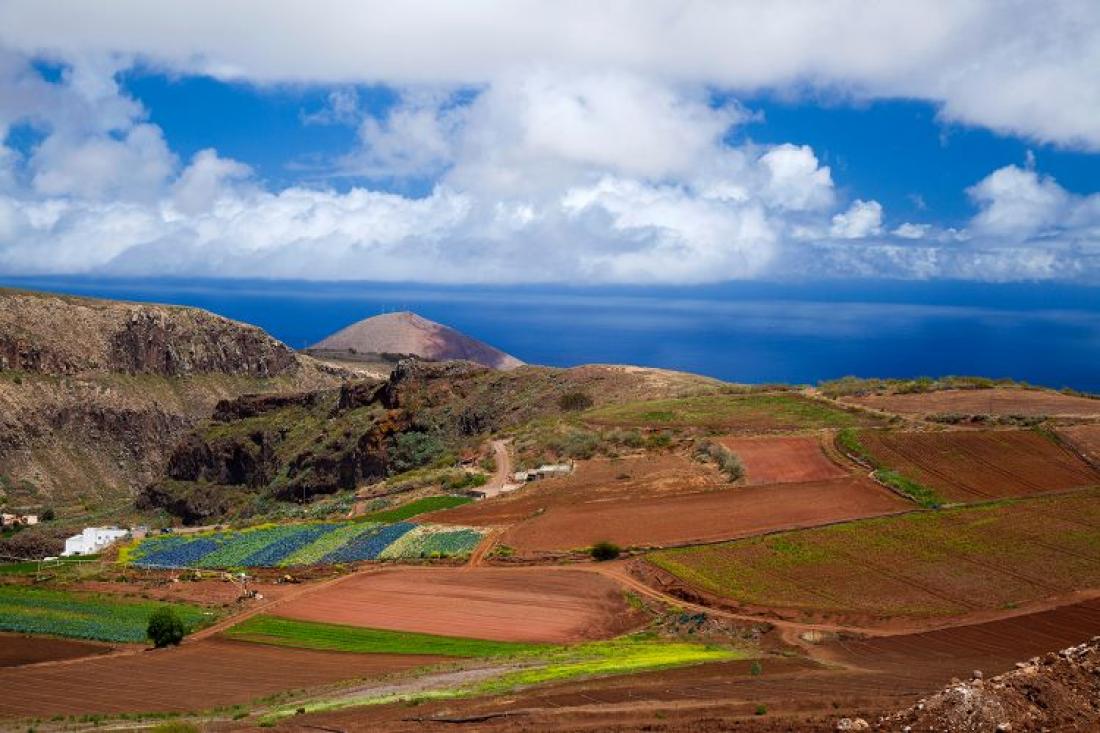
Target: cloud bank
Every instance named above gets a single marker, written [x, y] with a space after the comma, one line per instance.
[559, 141]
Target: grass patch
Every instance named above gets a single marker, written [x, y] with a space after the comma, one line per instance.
[86, 616]
[774, 411]
[629, 655]
[31, 567]
[336, 637]
[414, 508]
[919, 493]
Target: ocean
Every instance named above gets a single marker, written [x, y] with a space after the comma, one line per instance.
[745, 332]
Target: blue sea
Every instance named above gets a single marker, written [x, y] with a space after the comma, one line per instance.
[745, 332]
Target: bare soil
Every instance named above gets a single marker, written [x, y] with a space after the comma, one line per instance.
[863, 678]
[196, 676]
[784, 459]
[1085, 439]
[713, 516]
[664, 500]
[505, 604]
[997, 401]
[16, 650]
[986, 464]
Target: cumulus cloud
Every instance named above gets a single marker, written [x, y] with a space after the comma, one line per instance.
[1021, 68]
[862, 219]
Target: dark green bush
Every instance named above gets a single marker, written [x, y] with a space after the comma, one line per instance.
[575, 401]
[413, 450]
[165, 628]
[603, 551]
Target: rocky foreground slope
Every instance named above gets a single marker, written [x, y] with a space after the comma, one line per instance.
[1059, 691]
[94, 394]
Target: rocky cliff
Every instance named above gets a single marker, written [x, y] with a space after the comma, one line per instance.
[94, 394]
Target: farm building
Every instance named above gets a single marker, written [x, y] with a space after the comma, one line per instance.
[15, 520]
[551, 470]
[92, 540]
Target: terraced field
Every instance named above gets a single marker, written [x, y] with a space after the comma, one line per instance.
[760, 413]
[784, 460]
[503, 604]
[85, 616]
[289, 545]
[915, 566]
[964, 465]
[996, 401]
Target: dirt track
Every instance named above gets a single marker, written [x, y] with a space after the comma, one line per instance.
[504, 604]
[784, 459]
[196, 676]
[987, 464]
[1000, 401]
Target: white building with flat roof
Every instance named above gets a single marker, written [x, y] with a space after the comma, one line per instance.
[93, 540]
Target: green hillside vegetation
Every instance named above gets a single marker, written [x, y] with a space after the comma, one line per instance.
[760, 411]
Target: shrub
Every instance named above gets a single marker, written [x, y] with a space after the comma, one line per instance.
[726, 460]
[165, 628]
[756, 669]
[49, 515]
[177, 727]
[575, 401]
[413, 450]
[602, 551]
[761, 710]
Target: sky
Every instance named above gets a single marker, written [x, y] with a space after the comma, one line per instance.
[655, 143]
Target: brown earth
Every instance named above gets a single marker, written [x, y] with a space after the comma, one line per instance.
[16, 649]
[196, 676]
[1085, 439]
[974, 465]
[161, 588]
[997, 401]
[783, 460]
[863, 678]
[408, 333]
[503, 604]
[1059, 691]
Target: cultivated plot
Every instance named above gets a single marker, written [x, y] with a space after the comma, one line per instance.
[784, 460]
[198, 676]
[964, 465]
[916, 566]
[504, 604]
[996, 401]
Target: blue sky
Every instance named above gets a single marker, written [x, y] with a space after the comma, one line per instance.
[649, 144]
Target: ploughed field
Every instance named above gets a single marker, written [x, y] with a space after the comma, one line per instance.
[964, 465]
[909, 568]
[664, 501]
[194, 677]
[534, 604]
[873, 675]
[995, 401]
[1084, 438]
[16, 649]
[784, 460]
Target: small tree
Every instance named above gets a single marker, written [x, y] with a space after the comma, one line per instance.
[165, 628]
[602, 551]
[575, 401]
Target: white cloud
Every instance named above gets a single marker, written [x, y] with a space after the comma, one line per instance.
[1018, 203]
[1020, 68]
[908, 230]
[795, 180]
[862, 219]
[206, 180]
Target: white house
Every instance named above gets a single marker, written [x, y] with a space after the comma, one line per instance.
[92, 540]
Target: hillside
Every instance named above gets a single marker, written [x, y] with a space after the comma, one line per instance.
[407, 334]
[94, 393]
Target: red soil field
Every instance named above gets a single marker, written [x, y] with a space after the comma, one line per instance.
[711, 516]
[626, 479]
[889, 673]
[783, 460]
[196, 676]
[502, 604]
[998, 401]
[16, 649]
[1084, 438]
[971, 465]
